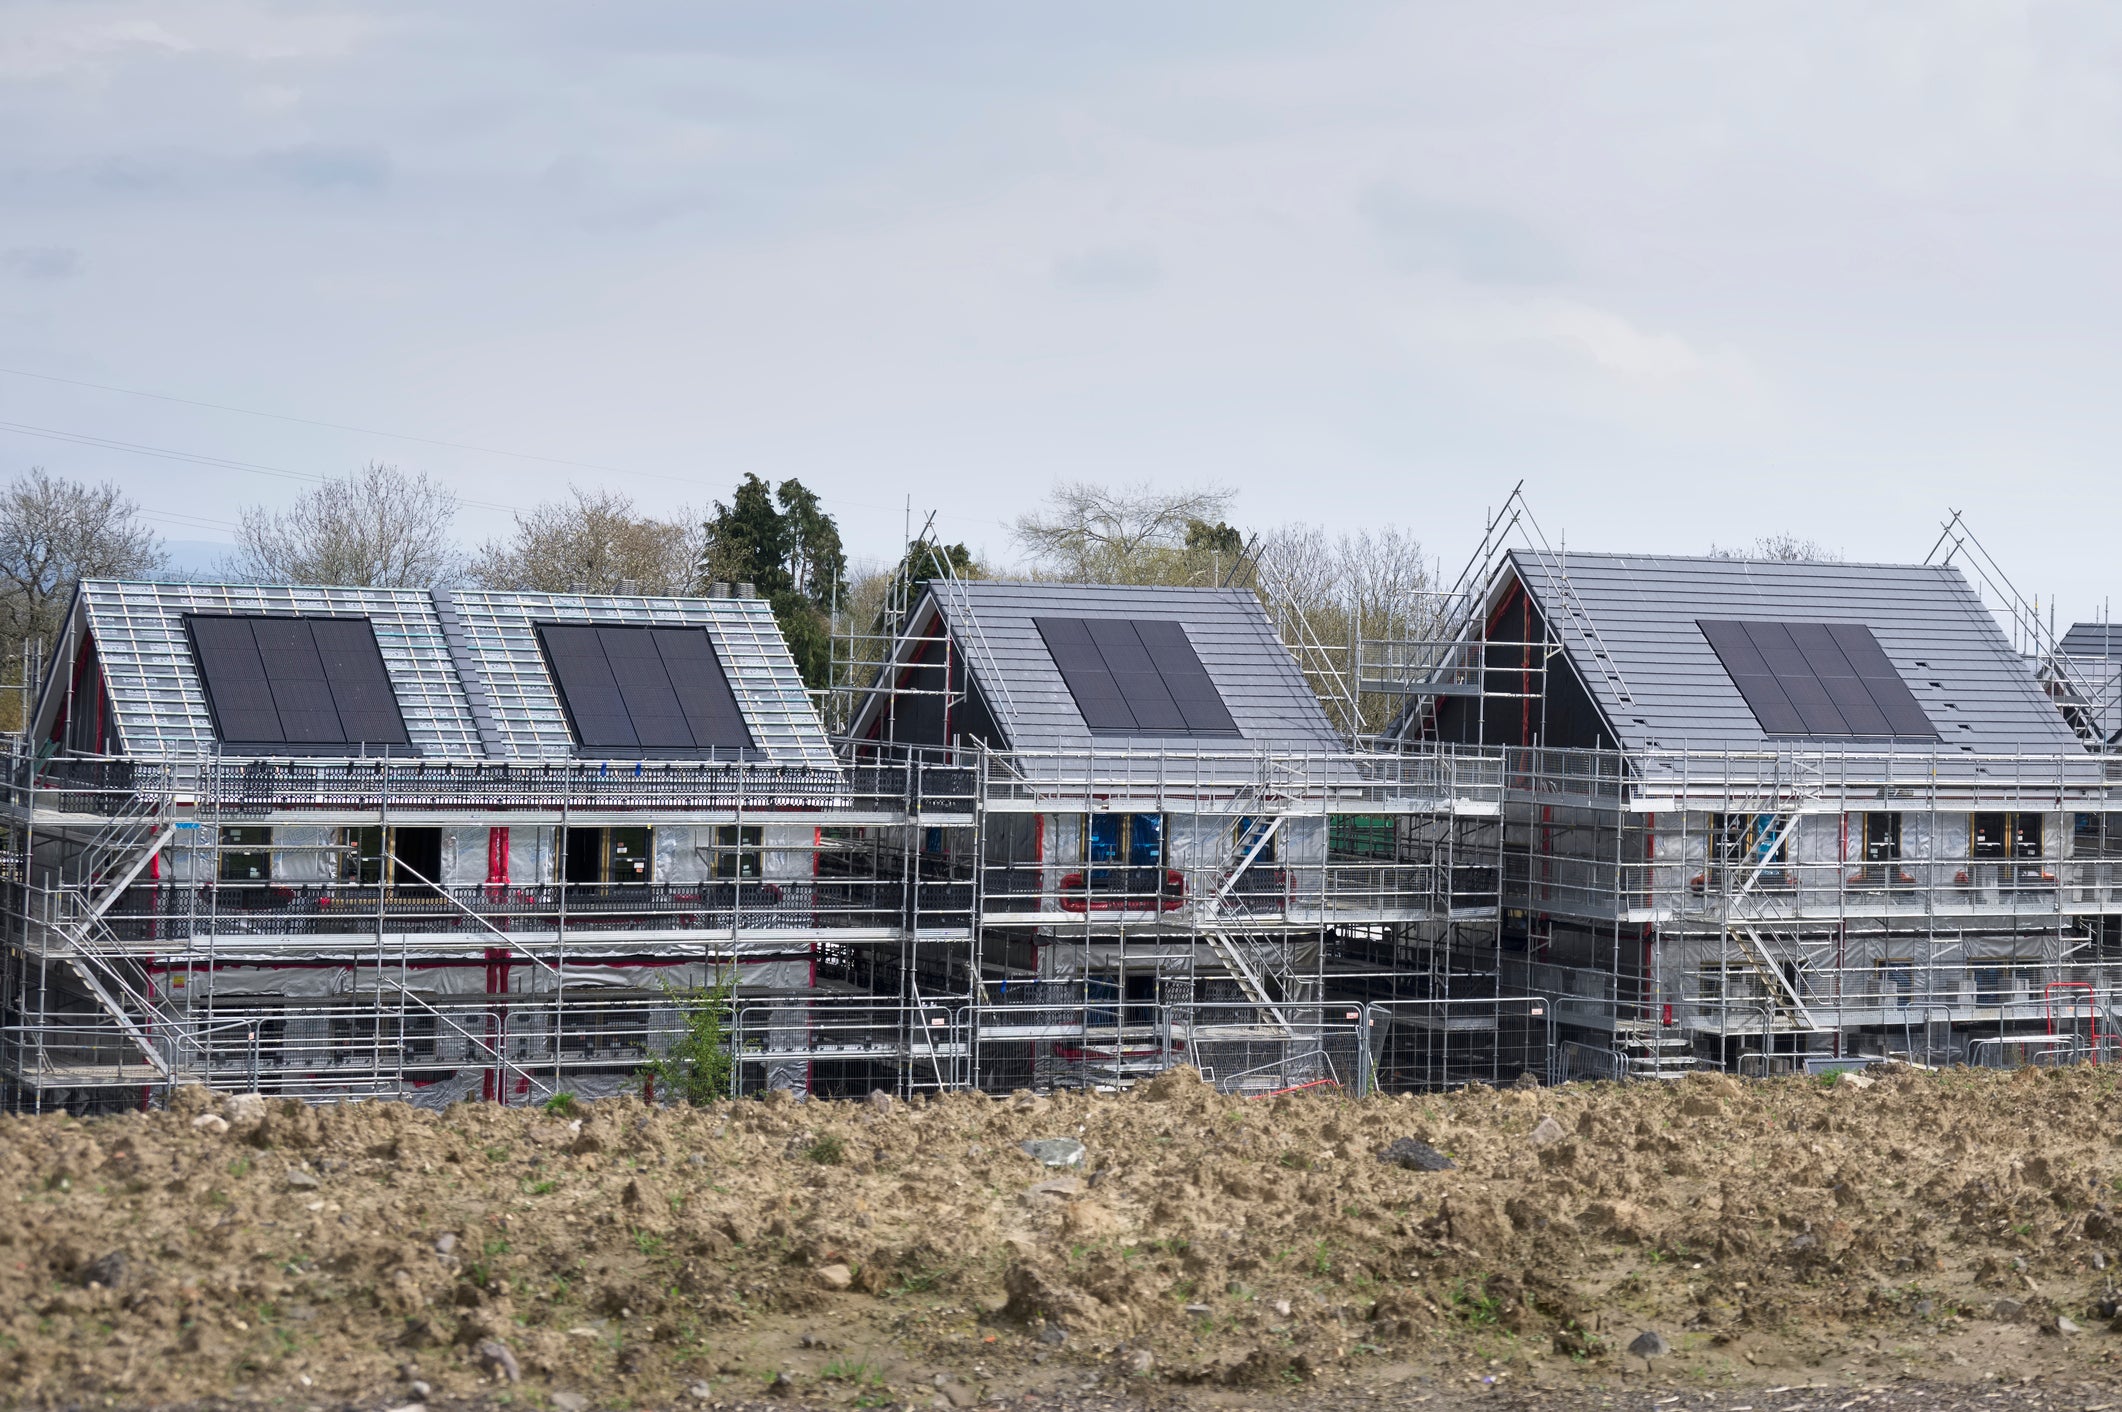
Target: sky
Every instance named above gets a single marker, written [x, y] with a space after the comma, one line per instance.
[1692, 273]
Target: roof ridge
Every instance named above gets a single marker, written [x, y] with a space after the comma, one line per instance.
[1792, 564]
[1114, 587]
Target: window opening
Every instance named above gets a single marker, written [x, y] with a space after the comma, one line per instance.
[1124, 856]
[416, 854]
[246, 853]
[245, 868]
[1361, 836]
[1897, 980]
[1881, 845]
[2001, 981]
[1740, 843]
[616, 1029]
[737, 850]
[1994, 838]
[613, 855]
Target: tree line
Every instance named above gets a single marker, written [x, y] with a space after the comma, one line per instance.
[385, 527]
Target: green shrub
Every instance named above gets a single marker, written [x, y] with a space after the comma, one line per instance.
[697, 1067]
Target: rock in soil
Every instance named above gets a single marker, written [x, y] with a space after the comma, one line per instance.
[1417, 1156]
[501, 1359]
[108, 1272]
[1056, 1151]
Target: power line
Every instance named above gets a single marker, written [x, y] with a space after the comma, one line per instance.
[185, 521]
[172, 398]
[192, 458]
[341, 426]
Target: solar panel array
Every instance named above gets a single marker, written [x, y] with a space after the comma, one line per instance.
[470, 682]
[1136, 676]
[159, 701]
[644, 689]
[518, 707]
[300, 683]
[1817, 679]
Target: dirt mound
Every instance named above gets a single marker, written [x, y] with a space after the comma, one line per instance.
[238, 1246]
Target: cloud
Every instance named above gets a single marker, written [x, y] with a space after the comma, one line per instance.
[1644, 357]
[32, 52]
[1485, 246]
[316, 167]
[1109, 270]
[42, 262]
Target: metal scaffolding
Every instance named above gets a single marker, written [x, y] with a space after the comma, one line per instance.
[1418, 908]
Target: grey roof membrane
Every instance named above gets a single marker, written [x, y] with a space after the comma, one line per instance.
[1947, 647]
[2093, 640]
[464, 664]
[1253, 672]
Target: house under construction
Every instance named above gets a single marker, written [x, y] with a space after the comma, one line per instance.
[343, 842]
[1765, 816]
[1179, 859]
[1633, 815]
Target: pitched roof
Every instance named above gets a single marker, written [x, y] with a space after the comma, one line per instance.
[1646, 609]
[2093, 640]
[993, 622]
[464, 664]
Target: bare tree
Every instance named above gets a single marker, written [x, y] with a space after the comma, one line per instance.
[54, 533]
[593, 542]
[379, 527]
[1780, 549]
[1089, 533]
[1328, 594]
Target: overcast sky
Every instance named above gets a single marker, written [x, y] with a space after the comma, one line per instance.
[1694, 272]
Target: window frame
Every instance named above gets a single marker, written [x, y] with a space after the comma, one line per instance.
[229, 849]
[1882, 840]
[1125, 844]
[2012, 845]
[737, 852]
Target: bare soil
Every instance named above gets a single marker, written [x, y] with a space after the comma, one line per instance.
[1782, 1236]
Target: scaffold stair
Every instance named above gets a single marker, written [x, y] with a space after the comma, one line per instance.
[113, 861]
[1249, 972]
[1766, 962]
[1649, 1051]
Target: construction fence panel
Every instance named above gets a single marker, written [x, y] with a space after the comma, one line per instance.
[1421, 1046]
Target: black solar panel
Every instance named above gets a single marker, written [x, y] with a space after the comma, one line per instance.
[1136, 677]
[1817, 679]
[643, 690]
[295, 684]
[710, 707]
